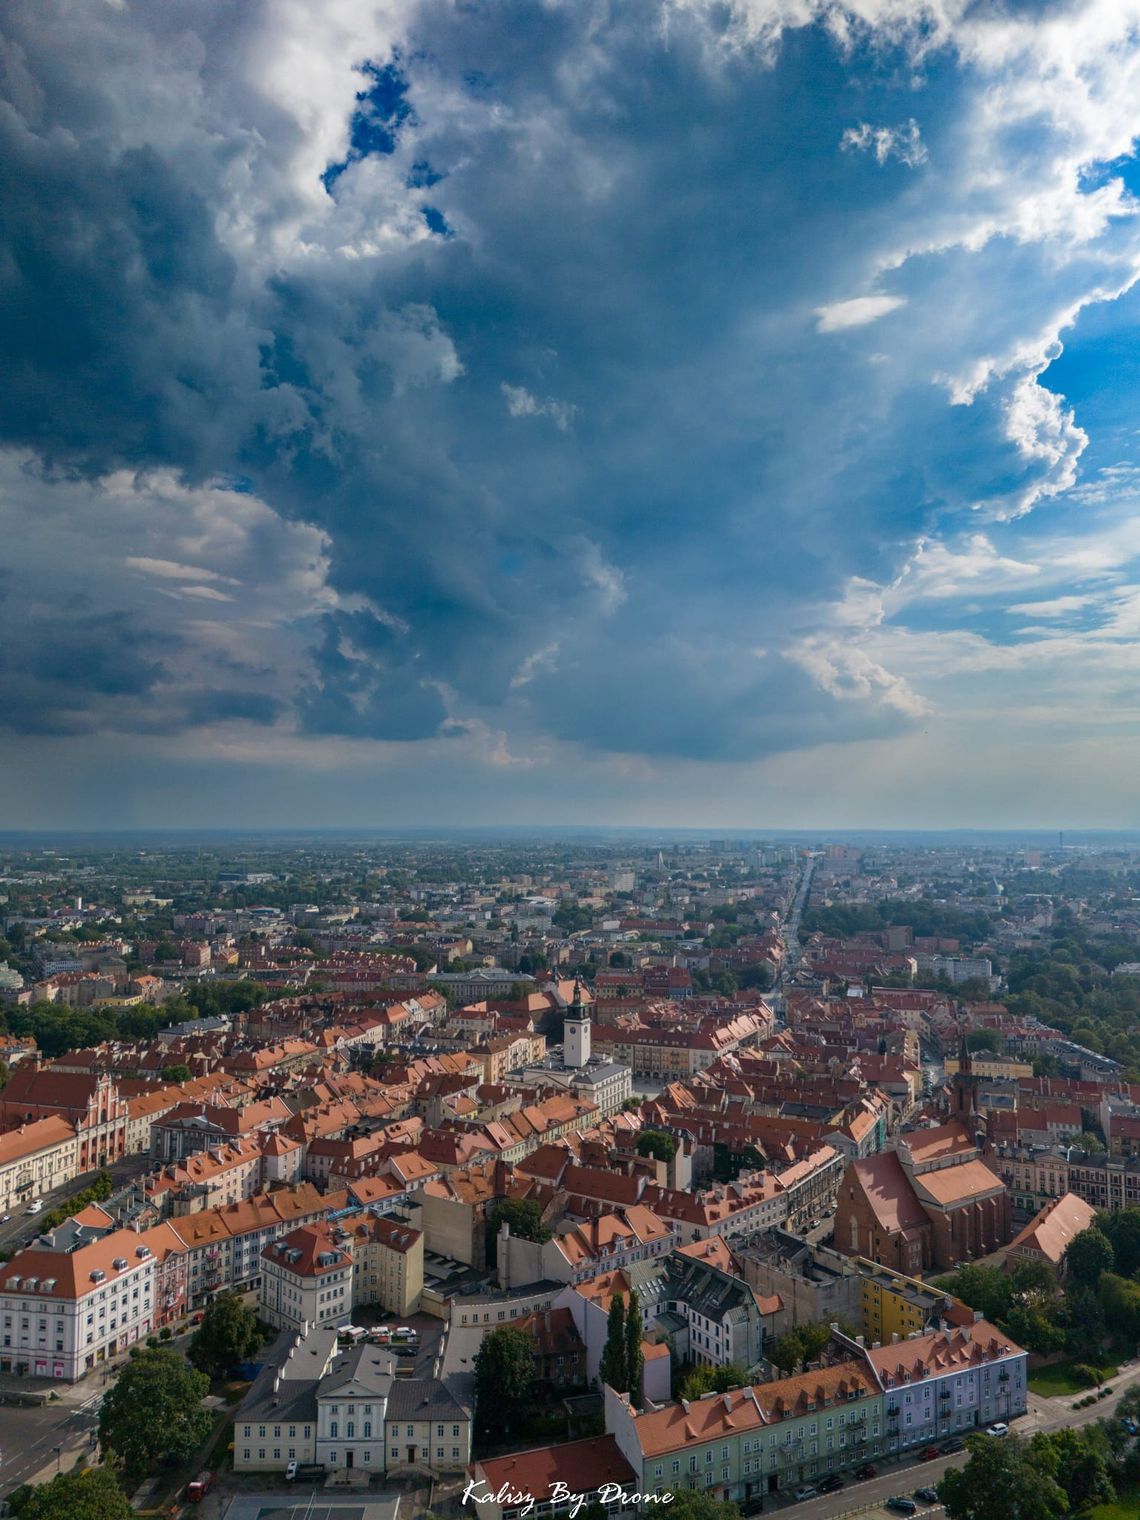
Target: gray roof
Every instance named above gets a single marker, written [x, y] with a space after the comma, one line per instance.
[707, 1290]
[367, 1370]
[423, 1399]
[286, 1387]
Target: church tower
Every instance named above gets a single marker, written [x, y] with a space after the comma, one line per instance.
[963, 1101]
[576, 1040]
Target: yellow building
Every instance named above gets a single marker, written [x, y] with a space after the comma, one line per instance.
[891, 1304]
[993, 1067]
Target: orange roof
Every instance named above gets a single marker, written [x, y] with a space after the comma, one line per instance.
[1050, 1232]
[72, 1274]
[743, 1409]
[952, 1183]
[38, 1135]
[582, 1466]
[941, 1351]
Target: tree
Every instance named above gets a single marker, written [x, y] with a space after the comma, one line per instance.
[1000, 1482]
[1088, 1255]
[1032, 1328]
[523, 1215]
[504, 1373]
[4, 1074]
[1032, 1279]
[984, 1288]
[695, 1504]
[802, 1345]
[634, 1356]
[655, 1142]
[1120, 1300]
[178, 1072]
[707, 1379]
[92, 1494]
[153, 1413]
[614, 1364]
[983, 1039]
[1079, 1461]
[1122, 1226]
[1086, 1328]
[228, 1334]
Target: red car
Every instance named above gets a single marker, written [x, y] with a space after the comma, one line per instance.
[929, 1454]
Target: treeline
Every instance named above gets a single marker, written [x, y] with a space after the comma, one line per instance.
[842, 920]
[1099, 1304]
[57, 1029]
[1069, 985]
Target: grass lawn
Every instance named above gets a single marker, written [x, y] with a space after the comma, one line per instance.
[1057, 1380]
[1125, 1507]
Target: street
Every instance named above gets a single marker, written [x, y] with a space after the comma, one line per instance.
[903, 1476]
[23, 1228]
[36, 1438]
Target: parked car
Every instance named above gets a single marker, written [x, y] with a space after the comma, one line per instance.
[948, 1448]
[807, 1492]
[4, 1218]
[929, 1454]
[831, 1484]
[902, 1505]
[927, 1495]
[866, 1471]
[1000, 1429]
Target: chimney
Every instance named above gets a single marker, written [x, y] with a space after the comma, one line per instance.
[894, 1337]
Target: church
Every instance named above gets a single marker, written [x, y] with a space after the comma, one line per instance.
[933, 1202]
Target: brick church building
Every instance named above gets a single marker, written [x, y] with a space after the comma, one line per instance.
[931, 1203]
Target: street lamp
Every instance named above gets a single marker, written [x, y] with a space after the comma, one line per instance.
[58, 1457]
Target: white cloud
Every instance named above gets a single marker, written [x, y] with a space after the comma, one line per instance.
[521, 403]
[903, 142]
[857, 312]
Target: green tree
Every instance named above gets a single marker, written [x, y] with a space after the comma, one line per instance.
[1122, 1226]
[1079, 1460]
[1120, 1300]
[695, 1504]
[4, 1074]
[614, 1366]
[1000, 1482]
[504, 1373]
[1032, 1328]
[178, 1072]
[984, 1288]
[524, 1215]
[92, 1494]
[983, 1039]
[634, 1356]
[1030, 1279]
[655, 1142]
[153, 1414]
[1088, 1255]
[1085, 1324]
[228, 1334]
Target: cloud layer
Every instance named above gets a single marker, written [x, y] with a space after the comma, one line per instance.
[650, 389]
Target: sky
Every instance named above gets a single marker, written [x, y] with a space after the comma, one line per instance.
[685, 412]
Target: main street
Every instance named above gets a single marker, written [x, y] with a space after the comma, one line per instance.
[23, 1227]
[903, 1476]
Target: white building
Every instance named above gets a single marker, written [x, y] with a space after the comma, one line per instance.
[68, 1306]
[306, 1280]
[349, 1411]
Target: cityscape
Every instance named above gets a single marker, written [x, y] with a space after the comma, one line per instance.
[569, 735]
[516, 1175]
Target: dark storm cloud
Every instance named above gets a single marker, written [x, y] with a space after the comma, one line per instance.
[603, 350]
